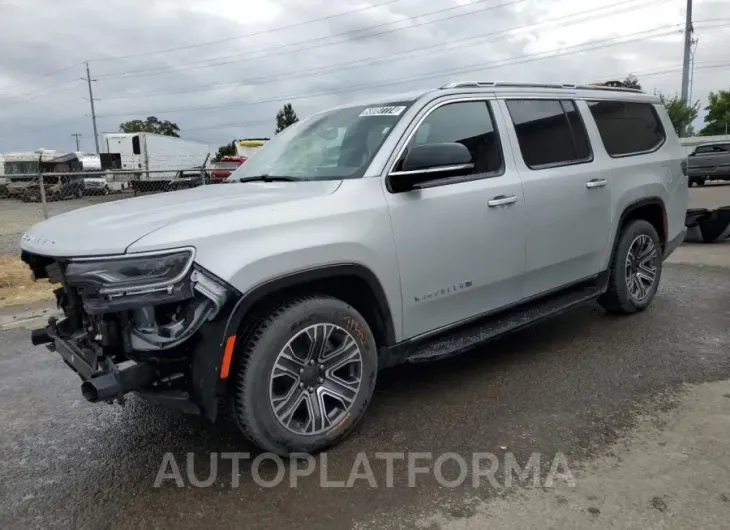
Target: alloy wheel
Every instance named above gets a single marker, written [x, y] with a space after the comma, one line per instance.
[315, 379]
[641, 267]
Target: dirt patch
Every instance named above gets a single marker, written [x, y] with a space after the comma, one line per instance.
[16, 287]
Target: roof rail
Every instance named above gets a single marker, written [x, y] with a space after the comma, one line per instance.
[560, 86]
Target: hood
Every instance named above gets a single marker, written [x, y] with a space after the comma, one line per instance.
[111, 227]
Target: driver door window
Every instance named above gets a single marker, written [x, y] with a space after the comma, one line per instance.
[469, 123]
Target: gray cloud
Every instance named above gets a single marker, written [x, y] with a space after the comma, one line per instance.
[39, 37]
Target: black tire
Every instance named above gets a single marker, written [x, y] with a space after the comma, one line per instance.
[251, 406]
[700, 181]
[617, 298]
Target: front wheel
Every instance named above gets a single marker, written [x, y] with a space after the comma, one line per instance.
[305, 376]
[635, 270]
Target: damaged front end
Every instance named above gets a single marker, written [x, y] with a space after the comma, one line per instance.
[151, 323]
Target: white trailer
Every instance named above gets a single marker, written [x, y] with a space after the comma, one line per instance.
[152, 152]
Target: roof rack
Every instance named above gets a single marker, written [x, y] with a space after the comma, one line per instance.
[610, 85]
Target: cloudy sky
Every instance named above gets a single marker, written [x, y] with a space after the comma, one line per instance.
[220, 69]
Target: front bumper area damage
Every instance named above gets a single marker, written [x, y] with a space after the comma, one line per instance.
[163, 343]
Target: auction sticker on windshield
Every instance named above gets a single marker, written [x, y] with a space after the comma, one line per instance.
[383, 111]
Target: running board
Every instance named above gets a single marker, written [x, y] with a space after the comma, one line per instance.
[491, 327]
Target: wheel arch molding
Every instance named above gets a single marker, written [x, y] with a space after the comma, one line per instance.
[631, 210]
[323, 279]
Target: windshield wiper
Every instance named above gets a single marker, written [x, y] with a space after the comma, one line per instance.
[266, 178]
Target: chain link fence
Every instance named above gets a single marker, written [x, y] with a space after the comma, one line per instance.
[27, 199]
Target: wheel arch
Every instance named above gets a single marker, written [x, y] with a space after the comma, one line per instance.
[652, 210]
[353, 283]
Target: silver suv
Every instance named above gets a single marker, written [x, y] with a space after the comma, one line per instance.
[405, 229]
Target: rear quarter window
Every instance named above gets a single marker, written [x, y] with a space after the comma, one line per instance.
[627, 128]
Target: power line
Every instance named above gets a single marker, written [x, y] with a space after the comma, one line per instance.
[640, 74]
[670, 70]
[48, 74]
[245, 35]
[44, 92]
[475, 67]
[586, 16]
[348, 34]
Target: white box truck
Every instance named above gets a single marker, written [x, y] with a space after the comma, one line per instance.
[145, 152]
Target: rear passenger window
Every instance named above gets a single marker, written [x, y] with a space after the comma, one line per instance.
[627, 128]
[550, 132]
[469, 123]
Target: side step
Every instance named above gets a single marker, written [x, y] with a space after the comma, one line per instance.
[491, 327]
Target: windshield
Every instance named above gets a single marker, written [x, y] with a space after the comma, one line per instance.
[338, 144]
[225, 165]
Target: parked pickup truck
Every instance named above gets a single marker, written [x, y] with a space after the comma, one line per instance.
[709, 162]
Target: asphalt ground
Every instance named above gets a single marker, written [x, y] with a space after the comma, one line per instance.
[573, 385]
[578, 386]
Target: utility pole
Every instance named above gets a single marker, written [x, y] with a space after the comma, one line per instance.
[77, 136]
[692, 70]
[93, 112]
[687, 55]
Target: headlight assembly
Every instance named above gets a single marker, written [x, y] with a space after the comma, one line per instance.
[131, 274]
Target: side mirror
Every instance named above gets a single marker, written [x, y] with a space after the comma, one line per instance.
[428, 162]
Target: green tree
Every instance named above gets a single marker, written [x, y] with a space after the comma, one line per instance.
[631, 81]
[285, 117]
[717, 120]
[681, 114]
[151, 125]
[225, 150]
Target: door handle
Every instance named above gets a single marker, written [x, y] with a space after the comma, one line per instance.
[501, 200]
[596, 183]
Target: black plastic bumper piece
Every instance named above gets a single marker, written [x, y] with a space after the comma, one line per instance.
[40, 336]
[103, 383]
[117, 383]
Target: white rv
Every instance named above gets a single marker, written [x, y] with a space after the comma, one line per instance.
[21, 169]
[151, 152]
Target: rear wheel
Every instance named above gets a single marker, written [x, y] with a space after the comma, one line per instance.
[305, 376]
[635, 270]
